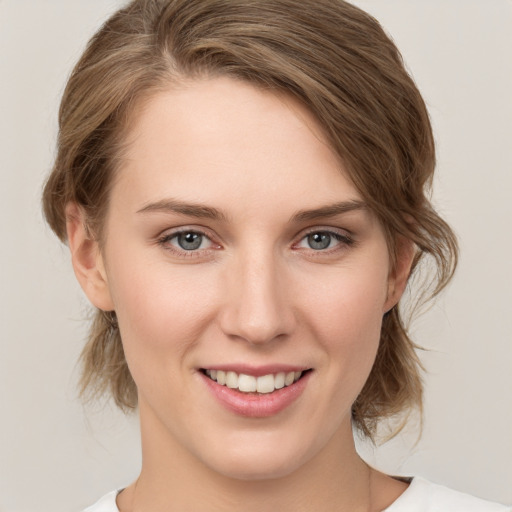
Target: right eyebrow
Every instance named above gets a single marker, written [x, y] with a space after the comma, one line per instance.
[330, 210]
[183, 208]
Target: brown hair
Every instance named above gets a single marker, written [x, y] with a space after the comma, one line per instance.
[338, 62]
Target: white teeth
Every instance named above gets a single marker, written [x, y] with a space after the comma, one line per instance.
[247, 383]
[279, 380]
[250, 384]
[221, 377]
[265, 384]
[231, 380]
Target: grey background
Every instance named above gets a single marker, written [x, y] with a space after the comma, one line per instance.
[55, 456]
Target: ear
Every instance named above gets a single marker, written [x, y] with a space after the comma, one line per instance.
[87, 259]
[399, 274]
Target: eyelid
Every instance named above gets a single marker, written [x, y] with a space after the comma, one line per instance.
[164, 240]
[325, 229]
[344, 236]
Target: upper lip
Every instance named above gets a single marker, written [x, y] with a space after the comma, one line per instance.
[257, 371]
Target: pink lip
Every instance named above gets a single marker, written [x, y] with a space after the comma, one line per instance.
[257, 371]
[254, 405]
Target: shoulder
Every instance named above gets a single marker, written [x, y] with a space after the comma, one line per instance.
[106, 504]
[421, 496]
[425, 496]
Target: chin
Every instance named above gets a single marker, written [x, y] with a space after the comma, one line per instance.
[259, 469]
[257, 460]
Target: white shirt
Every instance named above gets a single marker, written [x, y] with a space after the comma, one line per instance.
[420, 496]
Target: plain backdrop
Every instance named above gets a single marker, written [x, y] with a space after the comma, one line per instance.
[56, 456]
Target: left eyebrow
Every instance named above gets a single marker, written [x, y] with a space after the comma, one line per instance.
[182, 208]
[330, 210]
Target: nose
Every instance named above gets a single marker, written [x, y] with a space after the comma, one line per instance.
[257, 306]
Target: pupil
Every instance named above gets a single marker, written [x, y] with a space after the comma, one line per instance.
[319, 241]
[190, 241]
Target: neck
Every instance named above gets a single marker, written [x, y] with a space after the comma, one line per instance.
[335, 479]
[298, 491]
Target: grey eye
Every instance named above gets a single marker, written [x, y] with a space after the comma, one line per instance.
[189, 241]
[319, 241]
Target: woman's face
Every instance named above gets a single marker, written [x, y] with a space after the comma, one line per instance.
[236, 248]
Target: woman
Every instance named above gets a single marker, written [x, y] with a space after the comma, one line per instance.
[243, 189]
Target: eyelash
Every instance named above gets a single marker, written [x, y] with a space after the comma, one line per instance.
[164, 241]
[344, 240]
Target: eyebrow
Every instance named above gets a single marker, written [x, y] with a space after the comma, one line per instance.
[330, 210]
[184, 208]
[207, 212]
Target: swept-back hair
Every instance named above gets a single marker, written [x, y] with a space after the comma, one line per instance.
[335, 59]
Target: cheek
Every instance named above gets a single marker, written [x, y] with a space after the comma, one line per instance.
[348, 303]
[345, 314]
[161, 311]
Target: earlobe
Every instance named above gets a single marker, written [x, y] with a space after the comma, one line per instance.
[87, 259]
[399, 275]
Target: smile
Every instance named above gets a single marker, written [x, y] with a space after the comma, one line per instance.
[250, 384]
[259, 392]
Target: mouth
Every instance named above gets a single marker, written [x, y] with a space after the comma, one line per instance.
[263, 384]
[256, 392]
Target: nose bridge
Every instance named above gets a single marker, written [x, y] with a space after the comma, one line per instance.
[257, 306]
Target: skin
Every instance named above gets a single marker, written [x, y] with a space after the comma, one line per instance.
[255, 292]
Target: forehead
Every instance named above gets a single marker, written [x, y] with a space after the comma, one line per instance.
[221, 139]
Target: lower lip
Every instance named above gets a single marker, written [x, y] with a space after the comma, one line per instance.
[254, 405]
